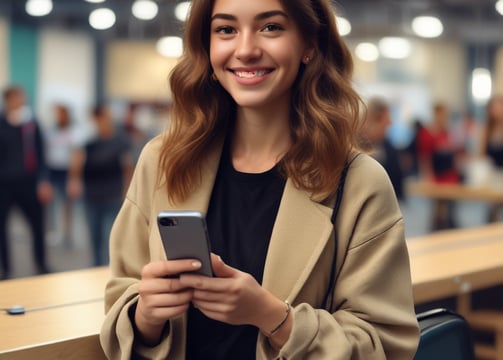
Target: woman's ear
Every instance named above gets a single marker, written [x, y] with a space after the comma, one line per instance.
[308, 56]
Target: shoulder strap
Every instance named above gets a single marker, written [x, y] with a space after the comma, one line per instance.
[337, 205]
[340, 190]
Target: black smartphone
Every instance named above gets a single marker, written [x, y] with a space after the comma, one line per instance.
[185, 236]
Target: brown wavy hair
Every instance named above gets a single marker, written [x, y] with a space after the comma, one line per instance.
[490, 122]
[325, 106]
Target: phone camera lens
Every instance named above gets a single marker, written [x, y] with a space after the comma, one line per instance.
[168, 221]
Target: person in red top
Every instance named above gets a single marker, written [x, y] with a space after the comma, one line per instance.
[437, 162]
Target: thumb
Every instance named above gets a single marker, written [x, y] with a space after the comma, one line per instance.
[221, 269]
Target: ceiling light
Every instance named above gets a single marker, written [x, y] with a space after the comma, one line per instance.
[394, 47]
[145, 9]
[367, 52]
[182, 10]
[95, 1]
[170, 46]
[38, 7]
[427, 26]
[481, 85]
[102, 19]
[499, 6]
[343, 25]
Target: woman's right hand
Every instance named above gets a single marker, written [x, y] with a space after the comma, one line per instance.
[162, 297]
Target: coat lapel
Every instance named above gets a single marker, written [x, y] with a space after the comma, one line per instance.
[300, 233]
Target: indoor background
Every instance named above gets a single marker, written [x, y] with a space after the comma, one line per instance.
[57, 56]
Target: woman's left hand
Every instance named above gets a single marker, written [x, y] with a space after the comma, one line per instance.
[234, 297]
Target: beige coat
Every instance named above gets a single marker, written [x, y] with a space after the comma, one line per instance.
[373, 317]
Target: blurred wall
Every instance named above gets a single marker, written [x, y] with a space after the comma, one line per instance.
[445, 71]
[498, 76]
[437, 66]
[135, 70]
[4, 66]
[23, 57]
[66, 66]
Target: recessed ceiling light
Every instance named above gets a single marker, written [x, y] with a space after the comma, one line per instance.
[145, 9]
[102, 19]
[481, 85]
[343, 25]
[367, 52]
[394, 47]
[170, 46]
[38, 7]
[499, 6]
[182, 10]
[427, 26]
[95, 1]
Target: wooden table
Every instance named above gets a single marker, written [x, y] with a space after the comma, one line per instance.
[443, 264]
[454, 191]
[456, 262]
[65, 322]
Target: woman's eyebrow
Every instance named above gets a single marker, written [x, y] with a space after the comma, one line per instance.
[261, 16]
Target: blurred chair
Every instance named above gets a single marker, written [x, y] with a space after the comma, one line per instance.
[488, 321]
[444, 335]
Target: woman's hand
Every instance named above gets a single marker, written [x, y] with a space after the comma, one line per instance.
[235, 297]
[162, 297]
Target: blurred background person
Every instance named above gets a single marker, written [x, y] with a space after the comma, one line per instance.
[466, 134]
[374, 138]
[492, 141]
[409, 155]
[23, 175]
[492, 144]
[137, 136]
[100, 171]
[60, 142]
[438, 162]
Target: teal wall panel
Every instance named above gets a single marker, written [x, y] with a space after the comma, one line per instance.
[23, 58]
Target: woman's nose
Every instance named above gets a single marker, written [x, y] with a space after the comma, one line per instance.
[247, 47]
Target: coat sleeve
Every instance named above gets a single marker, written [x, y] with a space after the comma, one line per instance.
[374, 314]
[129, 252]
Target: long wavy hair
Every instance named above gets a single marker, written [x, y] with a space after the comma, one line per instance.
[491, 121]
[323, 122]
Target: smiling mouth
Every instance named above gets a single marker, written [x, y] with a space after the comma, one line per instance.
[251, 74]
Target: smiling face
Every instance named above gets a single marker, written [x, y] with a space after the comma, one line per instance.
[255, 51]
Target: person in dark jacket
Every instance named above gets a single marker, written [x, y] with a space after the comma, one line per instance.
[100, 172]
[374, 139]
[23, 175]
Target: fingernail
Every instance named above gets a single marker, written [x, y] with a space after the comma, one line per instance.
[196, 264]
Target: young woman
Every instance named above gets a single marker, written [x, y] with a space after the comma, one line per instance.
[264, 121]
[492, 144]
[492, 141]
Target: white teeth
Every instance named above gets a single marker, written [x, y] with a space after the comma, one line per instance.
[250, 74]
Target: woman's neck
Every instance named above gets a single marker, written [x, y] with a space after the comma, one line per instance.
[259, 140]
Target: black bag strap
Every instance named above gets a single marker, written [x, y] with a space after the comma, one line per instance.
[337, 205]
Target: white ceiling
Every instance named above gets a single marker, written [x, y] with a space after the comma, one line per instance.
[467, 20]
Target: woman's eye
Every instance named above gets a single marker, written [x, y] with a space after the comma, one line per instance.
[226, 30]
[272, 27]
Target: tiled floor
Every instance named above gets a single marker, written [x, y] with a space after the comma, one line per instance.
[62, 257]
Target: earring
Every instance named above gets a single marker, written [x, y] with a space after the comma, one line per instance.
[306, 59]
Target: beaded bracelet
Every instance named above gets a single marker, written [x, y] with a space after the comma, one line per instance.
[282, 322]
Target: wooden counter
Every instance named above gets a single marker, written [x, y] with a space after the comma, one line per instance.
[456, 262]
[61, 308]
[454, 191]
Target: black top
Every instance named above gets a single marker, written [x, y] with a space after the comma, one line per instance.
[21, 151]
[103, 169]
[241, 215]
